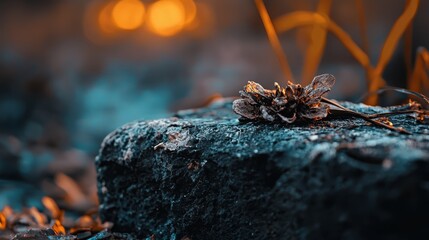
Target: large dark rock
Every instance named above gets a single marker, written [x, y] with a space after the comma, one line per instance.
[205, 175]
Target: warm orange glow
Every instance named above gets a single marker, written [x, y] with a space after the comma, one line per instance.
[58, 228]
[98, 25]
[105, 20]
[7, 211]
[128, 14]
[190, 10]
[2, 221]
[85, 221]
[204, 22]
[166, 17]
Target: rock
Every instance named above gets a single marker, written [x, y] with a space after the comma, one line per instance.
[203, 174]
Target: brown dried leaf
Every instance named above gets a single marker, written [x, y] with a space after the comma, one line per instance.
[323, 81]
[3, 221]
[243, 108]
[257, 92]
[39, 218]
[74, 193]
[316, 113]
[58, 228]
[320, 85]
[52, 207]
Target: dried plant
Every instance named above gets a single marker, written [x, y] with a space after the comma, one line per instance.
[321, 22]
[51, 223]
[294, 102]
[285, 103]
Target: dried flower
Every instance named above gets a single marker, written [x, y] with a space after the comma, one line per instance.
[287, 104]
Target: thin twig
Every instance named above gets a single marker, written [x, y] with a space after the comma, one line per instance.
[377, 115]
[364, 117]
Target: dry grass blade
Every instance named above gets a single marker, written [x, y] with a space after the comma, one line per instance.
[405, 91]
[395, 34]
[302, 18]
[362, 25]
[420, 75]
[389, 47]
[365, 117]
[408, 47]
[420, 96]
[71, 188]
[363, 34]
[274, 40]
[321, 22]
[377, 115]
[315, 50]
[39, 218]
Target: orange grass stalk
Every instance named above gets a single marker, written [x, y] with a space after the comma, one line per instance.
[395, 34]
[316, 48]
[408, 47]
[274, 40]
[389, 47]
[363, 33]
[321, 22]
[362, 25]
[419, 78]
[302, 18]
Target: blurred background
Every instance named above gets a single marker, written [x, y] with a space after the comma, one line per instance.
[71, 71]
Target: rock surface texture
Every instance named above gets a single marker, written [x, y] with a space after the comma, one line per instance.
[203, 174]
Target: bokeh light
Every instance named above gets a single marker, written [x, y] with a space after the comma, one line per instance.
[190, 10]
[98, 24]
[166, 17]
[203, 23]
[128, 14]
[105, 20]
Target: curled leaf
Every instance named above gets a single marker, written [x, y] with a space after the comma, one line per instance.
[244, 108]
[317, 113]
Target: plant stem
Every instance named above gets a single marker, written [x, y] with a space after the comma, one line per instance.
[364, 117]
